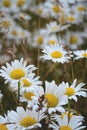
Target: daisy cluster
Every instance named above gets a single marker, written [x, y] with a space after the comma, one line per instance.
[46, 38]
[46, 106]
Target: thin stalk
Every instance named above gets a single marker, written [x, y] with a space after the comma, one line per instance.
[72, 71]
[18, 92]
[68, 109]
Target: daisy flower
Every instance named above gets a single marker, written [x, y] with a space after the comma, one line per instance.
[24, 119]
[63, 123]
[16, 71]
[55, 97]
[55, 53]
[74, 40]
[30, 82]
[73, 90]
[80, 54]
[32, 97]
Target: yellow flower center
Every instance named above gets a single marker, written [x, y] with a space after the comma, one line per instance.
[52, 42]
[55, 28]
[17, 74]
[20, 3]
[69, 91]
[52, 100]
[28, 95]
[26, 83]
[14, 32]
[56, 54]
[3, 127]
[56, 9]
[65, 128]
[70, 19]
[81, 8]
[28, 121]
[39, 11]
[5, 24]
[40, 40]
[73, 39]
[66, 113]
[84, 54]
[6, 3]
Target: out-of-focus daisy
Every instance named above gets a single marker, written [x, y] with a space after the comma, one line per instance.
[52, 39]
[55, 97]
[39, 38]
[16, 71]
[4, 58]
[73, 90]
[80, 54]
[65, 124]
[55, 53]
[74, 40]
[54, 9]
[24, 119]
[53, 27]
[32, 97]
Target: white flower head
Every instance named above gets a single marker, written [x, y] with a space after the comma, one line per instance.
[64, 124]
[55, 97]
[16, 71]
[80, 54]
[55, 53]
[24, 119]
[74, 90]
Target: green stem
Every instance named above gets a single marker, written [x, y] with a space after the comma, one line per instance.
[68, 109]
[18, 92]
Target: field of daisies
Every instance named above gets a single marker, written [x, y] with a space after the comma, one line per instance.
[43, 64]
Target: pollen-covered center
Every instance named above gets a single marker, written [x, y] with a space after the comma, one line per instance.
[40, 40]
[56, 54]
[65, 128]
[26, 83]
[3, 127]
[6, 3]
[55, 28]
[20, 3]
[28, 95]
[14, 32]
[17, 74]
[81, 8]
[5, 24]
[28, 121]
[73, 39]
[69, 91]
[52, 100]
[84, 54]
[56, 9]
[70, 18]
[52, 42]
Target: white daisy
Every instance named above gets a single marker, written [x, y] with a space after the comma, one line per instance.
[73, 90]
[24, 119]
[31, 82]
[65, 124]
[32, 97]
[54, 27]
[80, 54]
[16, 71]
[55, 97]
[74, 39]
[55, 53]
